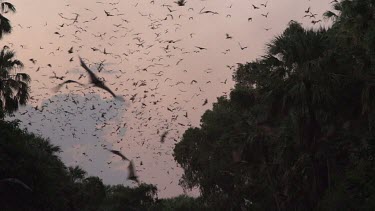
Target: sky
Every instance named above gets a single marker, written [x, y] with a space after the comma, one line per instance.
[165, 60]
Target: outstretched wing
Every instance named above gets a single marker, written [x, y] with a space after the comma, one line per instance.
[103, 86]
[119, 154]
[97, 82]
[163, 136]
[131, 175]
[55, 89]
[93, 77]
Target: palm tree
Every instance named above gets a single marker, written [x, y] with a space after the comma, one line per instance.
[14, 87]
[298, 64]
[353, 28]
[5, 27]
[77, 174]
[353, 17]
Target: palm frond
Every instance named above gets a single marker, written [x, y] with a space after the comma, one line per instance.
[6, 7]
[23, 77]
[14, 87]
[330, 15]
[5, 27]
[8, 54]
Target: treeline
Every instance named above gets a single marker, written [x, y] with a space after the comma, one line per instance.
[297, 132]
[33, 178]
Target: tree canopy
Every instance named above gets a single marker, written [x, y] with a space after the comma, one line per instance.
[5, 26]
[14, 86]
[33, 162]
[296, 132]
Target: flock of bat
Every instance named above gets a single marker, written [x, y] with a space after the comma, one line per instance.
[157, 55]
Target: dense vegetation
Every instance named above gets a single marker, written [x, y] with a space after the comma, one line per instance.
[297, 132]
[33, 161]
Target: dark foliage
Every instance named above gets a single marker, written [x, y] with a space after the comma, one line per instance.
[297, 131]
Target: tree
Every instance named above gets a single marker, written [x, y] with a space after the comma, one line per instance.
[120, 197]
[285, 85]
[180, 203]
[297, 131]
[34, 161]
[354, 32]
[5, 26]
[14, 86]
[77, 174]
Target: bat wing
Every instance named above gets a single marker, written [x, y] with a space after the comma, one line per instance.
[55, 89]
[93, 77]
[119, 154]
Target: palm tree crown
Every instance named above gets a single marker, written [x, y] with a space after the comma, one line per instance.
[14, 87]
[5, 27]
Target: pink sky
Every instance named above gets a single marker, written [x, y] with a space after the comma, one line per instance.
[36, 22]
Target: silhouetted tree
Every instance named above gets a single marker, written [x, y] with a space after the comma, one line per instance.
[297, 131]
[5, 26]
[14, 86]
